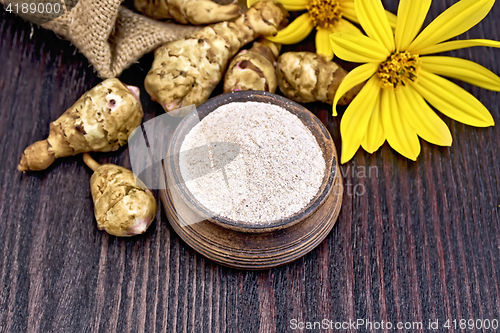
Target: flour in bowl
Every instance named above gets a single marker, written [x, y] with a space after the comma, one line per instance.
[275, 171]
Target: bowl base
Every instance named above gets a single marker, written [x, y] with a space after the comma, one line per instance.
[254, 251]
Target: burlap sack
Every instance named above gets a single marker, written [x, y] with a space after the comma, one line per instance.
[111, 36]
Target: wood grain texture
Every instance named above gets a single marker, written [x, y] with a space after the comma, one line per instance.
[422, 243]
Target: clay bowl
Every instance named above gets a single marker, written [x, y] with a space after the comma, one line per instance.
[240, 244]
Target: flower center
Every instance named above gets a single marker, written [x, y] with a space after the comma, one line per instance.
[324, 13]
[397, 69]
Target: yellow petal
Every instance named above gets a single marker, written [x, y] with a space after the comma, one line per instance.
[355, 47]
[398, 131]
[356, 117]
[462, 69]
[323, 45]
[344, 25]
[372, 17]
[393, 19]
[457, 44]
[358, 75]
[348, 11]
[374, 137]
[452, 100]
[250, 3]
[411, 16]
[422, 118]
[324, 36]
[454, 21]
[295, 32]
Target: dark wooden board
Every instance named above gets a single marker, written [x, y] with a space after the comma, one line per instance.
[423, 242]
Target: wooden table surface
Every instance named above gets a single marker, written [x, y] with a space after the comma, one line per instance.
[415, 241]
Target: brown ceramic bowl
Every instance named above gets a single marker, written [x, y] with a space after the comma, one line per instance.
[238, 243]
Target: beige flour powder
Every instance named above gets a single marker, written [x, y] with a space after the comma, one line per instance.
[276, 172]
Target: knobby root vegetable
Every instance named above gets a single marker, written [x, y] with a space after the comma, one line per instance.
[308, 77]
[253, 69]
[188, 11]
[186, 71]
[101, 120]
[122, 206]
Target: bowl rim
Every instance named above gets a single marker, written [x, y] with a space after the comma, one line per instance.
[264, 97]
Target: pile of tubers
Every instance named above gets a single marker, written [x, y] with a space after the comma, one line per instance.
[184, 72]
[101, 121]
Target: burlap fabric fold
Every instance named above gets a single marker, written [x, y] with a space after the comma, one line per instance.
[111, 36]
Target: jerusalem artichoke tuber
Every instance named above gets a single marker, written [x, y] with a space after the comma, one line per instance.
[122, 207]
[188, 11]
[308, 77]
[101, 120]
[186, 71]
[253, 69]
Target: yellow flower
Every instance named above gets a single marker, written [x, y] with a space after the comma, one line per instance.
[401, 77]
[327, 16]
